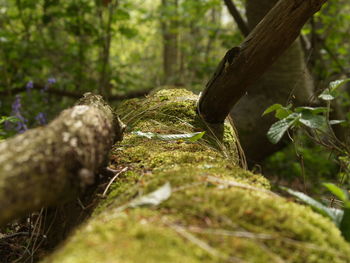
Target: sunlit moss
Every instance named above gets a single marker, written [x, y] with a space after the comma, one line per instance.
[209, 217]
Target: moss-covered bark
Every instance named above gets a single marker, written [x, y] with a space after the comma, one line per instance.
[49, 165]
[217, 211]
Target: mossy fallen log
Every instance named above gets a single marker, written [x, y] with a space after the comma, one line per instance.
[217, 211]
[49, 165]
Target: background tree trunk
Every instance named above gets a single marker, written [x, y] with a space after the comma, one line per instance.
[288, 80]
[106, 12]
[241, 24]
[170, 41]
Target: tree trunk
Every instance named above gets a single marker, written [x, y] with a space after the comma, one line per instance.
[243, 65]
[51, 164]
[106, 14]
[170, 41]
[288, 80]
[205, 207]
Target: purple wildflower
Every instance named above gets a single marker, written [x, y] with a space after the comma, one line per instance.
[41, 118]
[51, 81]
[29, 86]
[8, 125]
[16, 111]
[16, 105]
[21, 126]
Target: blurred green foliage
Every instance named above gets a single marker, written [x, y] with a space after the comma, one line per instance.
[328, 33]
[319, 165]
[110, 46]
[4, 133]
[318, 138]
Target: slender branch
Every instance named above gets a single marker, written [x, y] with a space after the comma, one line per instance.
[242, 25]
[75, 95]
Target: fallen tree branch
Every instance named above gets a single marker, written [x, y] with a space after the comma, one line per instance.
[243, 65]
[183, 201]
[52, 164]
[74, 95]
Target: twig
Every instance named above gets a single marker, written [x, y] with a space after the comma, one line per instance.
[72, 94]
[240, 185]
[113, 179]
[14, 235]
[224, 232]
[200, 243]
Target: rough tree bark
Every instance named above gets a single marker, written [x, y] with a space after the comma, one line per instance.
[49, 165]
[210, 209]
[243, 65]
[288, 80]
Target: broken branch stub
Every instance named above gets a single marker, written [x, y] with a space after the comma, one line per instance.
[49, 165]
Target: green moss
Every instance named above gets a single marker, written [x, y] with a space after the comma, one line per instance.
[153, 241]
[290, 228]
[206, 219]
[174, 111]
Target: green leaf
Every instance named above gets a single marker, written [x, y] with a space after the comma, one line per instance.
[192, 137]
[345, 224]
[313, 110]
[2, 120]
[334, 122]
[272, 108]
[281, 111]
[312, 121]
[196, 136]
[153, 198]
[279, 128]
[335, 214]
[326, 95]
[338, 192]
[12, 119]
[337, 83]
[330, 93]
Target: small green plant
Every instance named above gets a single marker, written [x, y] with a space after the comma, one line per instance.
[300, 161]
[340, 217]
[315, 118]
[315, 123]
[3, 121]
